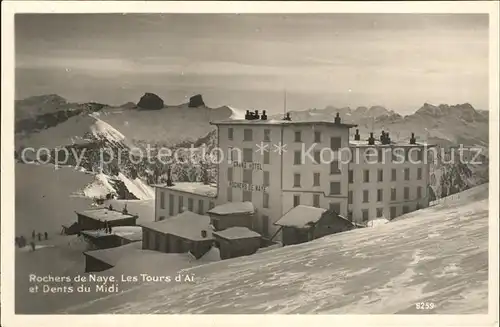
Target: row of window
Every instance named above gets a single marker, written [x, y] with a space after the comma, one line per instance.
[335, 142]
[180, 204]
[380, 194]
[248, 196]
[380, 175]
[297, 157]
[365, 213]
[335, 206]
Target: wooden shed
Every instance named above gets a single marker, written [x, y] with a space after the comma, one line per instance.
[232, 214]
[304, 223]
[236, 242]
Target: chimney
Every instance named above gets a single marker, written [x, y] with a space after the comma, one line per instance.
[204, 233]
[412, 139]
[287, 117]
[256, 115]
[371, 139]
[169, 177]
[387, 138]
[357, 137]
[264, 115]
[382, 137]
[125, 211]
[248, 115]
[337, 118]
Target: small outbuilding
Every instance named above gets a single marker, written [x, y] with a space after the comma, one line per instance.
[121, 235]
[304, 223]
[186, 232]
[232, 214]
[236, 242]
[101, 218]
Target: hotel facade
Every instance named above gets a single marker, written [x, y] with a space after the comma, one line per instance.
[280, 164]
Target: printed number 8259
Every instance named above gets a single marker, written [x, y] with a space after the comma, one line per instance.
[425, 306]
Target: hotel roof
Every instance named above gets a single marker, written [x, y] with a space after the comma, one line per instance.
[187, 225]
[234, 233]
[364, 144]
[105, 214]
[281, 122]
[192, 188]
[230, 208]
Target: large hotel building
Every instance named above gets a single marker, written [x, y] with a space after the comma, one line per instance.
[279, 164]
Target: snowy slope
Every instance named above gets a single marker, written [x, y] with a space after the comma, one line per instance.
[437, 255]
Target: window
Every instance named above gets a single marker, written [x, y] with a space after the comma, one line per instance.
[267, 135]
[335, 143]
[334, 188]
[393, 194]
[335, 207]
[247, 176]
[162, 199]
[393, 175]
[265, 225]
[419, 192]
[365, 215]
[334, 167]
[161, 218]
[297, 158]
[366, 176]
[349, 197]
[365, 196]
[230, 174]
[247, 155]
[229, 194]
[317, 137]
[381, 155]
[266, 157]
[316, 177]
[351, 176]
[171, 204]
[230, 133]
[393, 212]
[316, 200]
[407, 155]
[407, 193]
[380, 212]
[380, 175]
[395, 155]
[266, 178]
[211, 205]
[419, 173]
[265, 200]
[296, 200]
[181, 203]
[190, 204]
[200, 207]
[419, 155]
[317, 157]
[296, 180]
[298, 136]
[405, 209]
[247, 196]
[247, 134]
[407, 174]
[380, 195]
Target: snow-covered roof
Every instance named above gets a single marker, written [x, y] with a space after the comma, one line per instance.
[133, 233]
[234, 233]
[231, 208]
[281, 122]
[301, 216]
[104, 214]
[197, 188]
[187, 225]
[364, 143]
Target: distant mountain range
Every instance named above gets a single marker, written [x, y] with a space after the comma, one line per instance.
[51, 121]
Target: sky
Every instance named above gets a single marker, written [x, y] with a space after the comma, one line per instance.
[247, 61]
